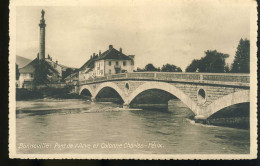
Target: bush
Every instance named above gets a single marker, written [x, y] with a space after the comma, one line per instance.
[25, 94]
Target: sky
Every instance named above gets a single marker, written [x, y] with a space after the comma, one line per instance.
[157, 33]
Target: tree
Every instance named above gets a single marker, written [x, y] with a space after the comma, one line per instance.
[150, 67]
[17, 72]
[241, 62]
[139, 69]
[170, 68]
[227, 68]
[41, 73]
[194, 66]
[213, 62]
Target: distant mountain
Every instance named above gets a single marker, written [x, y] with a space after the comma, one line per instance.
[21, 61]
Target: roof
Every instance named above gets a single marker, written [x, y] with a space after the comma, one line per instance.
[88, 64]
[30, 67]
[71, 75]
[62, 66]
[113, 54]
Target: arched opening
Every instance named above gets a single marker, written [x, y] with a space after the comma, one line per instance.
[127, 86]
[108, 94]
[201, 96]
[157, 99]
[85, 93]
[236, 116]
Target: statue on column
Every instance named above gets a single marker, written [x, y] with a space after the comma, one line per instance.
[43, 12]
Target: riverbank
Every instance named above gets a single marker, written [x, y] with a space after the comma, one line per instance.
[236, 116]
[46, 92]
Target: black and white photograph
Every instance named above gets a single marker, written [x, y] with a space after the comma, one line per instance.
[133, 79]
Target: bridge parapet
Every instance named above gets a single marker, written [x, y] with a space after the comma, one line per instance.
[208, 78]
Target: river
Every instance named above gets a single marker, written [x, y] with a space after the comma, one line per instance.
[49, 126]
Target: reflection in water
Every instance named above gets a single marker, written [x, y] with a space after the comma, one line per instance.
[79, 121]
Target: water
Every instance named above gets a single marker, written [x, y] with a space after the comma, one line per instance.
[78, 126]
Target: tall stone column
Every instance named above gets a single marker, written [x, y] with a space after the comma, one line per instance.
[42, 37]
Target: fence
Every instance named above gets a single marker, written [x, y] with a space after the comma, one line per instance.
[167, 76]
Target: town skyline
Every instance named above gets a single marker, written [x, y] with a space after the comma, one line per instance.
[73, 35]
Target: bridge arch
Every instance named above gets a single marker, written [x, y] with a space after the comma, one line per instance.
[168, 88]
[86, 87]
[110, 85]
[242, 96]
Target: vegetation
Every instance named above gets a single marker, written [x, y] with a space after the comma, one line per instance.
[170, 68]
[48, 92]
[62, 93]
[165, 68]
[213, 62]
[25, 94]
[150, 67]
[241, 62]
[41, 73]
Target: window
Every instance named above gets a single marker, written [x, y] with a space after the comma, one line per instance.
[117, 63]
[31, 75]
[124, 63]
[109, 71]
[109, 63]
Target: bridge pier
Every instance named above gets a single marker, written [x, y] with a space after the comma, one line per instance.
[93, 99]
[125, 105]
[200, 119]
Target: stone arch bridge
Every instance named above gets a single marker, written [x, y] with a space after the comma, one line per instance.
[203, 93]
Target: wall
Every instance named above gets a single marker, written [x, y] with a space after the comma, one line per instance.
[99, 68]
[102, 67]
[85, 74]
[128, 67]
[24, 76]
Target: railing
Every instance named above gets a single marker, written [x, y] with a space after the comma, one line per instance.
[226, 78]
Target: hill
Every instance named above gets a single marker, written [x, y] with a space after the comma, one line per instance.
[21, 61]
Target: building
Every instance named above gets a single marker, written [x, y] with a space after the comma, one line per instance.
[54, 70]
[27, 73]
[86, 71]
[72, 78]
[110, 62]
[113, 61]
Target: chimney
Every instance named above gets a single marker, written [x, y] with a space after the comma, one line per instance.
[56, 62]
[99, 52]
[110, 47]
[131, 56]
[120, 49]
[49, 56]
[133, 59]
